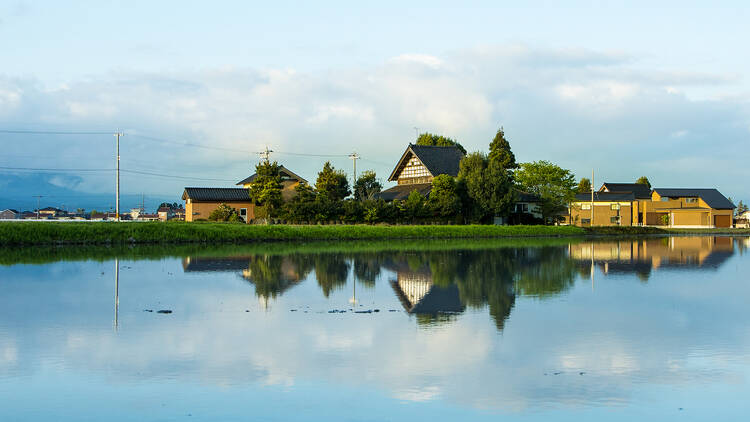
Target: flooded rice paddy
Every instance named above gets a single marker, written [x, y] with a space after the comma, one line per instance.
[532, 330]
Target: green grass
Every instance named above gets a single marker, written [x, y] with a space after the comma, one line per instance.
[67, 233]
[110, 233]
[45, 254]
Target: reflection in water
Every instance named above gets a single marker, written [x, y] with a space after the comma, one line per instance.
[641, 257]
[599, 355]
[438, 285]
[433, 285]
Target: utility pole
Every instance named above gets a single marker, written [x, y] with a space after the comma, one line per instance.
[38, 197]
[117, 291]
[592, 199]
[354, 157]
[265, 154]
[416, 131]
[117, 182]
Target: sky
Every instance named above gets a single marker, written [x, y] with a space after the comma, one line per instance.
[624, 88]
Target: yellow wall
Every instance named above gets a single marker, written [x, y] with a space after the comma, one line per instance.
[603, 214]
[201, 210]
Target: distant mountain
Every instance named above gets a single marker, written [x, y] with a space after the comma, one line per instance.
[60, 190]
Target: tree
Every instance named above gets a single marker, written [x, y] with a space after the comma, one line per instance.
[224, 213]
[643, 180]
[553, 184]
[438, 141]
[500, 151]
[741, 208]
[332, 183]
[444, 200]
[265, 189]
[302, 206]
[488, 187]
[413, 207]
[584, 186]
[367, 186]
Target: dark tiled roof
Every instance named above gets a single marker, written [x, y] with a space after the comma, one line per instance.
[713, 197]
[528, 197]
[217, 194]
[286, 174]
[11, 210]
[233, 264]
[606, 196]
[640, 191]
[402, 192]
[438, 160]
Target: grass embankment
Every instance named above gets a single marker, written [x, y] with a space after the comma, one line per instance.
[47, 253]
[56, 233]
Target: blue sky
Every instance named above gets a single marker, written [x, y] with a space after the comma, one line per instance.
[627, 88]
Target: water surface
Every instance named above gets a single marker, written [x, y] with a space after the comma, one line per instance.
[655, 329]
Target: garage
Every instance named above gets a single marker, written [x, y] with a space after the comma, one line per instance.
[722, 221]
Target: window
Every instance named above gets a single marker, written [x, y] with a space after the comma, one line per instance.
[665, 198]
[691, 200]
[614, 220]
[585, 221]
[522, 208]
[615, 206]
[585, 206]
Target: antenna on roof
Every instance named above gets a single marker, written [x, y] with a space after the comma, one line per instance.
[416, 131]
[265, 154]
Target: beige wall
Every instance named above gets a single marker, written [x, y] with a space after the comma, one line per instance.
[201, 210]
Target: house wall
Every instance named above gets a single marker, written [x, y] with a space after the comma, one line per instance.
[287, 189]
[8, 215]
[603, 213]
[201, 210]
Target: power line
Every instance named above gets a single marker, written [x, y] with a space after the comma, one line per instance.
[146, 173]
[50, 169]
[52, 132]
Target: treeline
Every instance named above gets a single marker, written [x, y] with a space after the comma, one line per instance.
[488, 186]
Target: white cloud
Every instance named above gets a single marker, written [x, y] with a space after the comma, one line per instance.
[552, 103]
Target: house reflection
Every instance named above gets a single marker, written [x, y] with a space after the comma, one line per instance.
[270, 274]
[646, 255]
[420, 296]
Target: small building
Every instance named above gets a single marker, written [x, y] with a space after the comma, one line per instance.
[52, 212]
[200, 202]
[418, 166]
[289, 181]
[9, 214]
[165, 213]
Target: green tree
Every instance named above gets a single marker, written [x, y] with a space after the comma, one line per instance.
[643, 180]
[367, 186]
[332, 183]
[444, 200]
[438, 141]
[301, 208]
[224, 213]
[265, 189]
[553, 184]
[488, 186]
[741, 208]
[584, 186]
[413, 207]
[500, 151]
